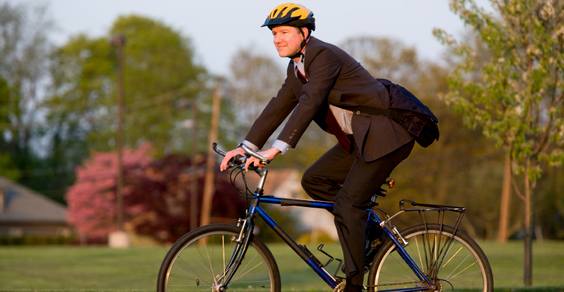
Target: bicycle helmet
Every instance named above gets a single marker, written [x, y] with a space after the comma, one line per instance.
[290, 14]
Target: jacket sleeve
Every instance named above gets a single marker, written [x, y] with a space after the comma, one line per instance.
[273, 114]
[323, 72]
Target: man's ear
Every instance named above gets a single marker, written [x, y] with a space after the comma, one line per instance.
[305, 32]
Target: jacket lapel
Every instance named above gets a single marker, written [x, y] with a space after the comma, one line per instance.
[312, 49]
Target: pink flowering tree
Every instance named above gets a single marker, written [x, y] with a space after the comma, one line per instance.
[165, 199]
[158, 196]
[91, 200]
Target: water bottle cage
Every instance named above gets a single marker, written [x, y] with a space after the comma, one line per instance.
[330, 260]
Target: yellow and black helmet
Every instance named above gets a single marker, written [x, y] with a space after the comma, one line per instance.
[290, 14]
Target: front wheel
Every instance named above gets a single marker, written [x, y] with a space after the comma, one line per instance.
[198, 260]
[453, 261]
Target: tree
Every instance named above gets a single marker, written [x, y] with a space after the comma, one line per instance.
[161, 76]
[74, 108]
[157, 195]
[24, 47]
[160, 198]
[253, 80]
[518, 99]
[386, 58]
[161, 82]
[451, 171]
[7, 167]
[161, 79]
[92, 199]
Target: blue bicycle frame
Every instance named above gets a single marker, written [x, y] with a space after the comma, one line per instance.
[312, 261]
[257, 198]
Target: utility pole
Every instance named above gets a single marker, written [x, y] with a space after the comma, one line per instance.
[209, 188]
[119, 238]
[195, 159]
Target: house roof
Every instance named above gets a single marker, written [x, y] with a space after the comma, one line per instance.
[22, 205]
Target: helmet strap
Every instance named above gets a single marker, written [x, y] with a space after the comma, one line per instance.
[302, 44]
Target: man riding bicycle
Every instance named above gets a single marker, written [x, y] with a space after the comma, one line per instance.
[326, 85]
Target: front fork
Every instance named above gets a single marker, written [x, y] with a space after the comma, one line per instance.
[246, 227]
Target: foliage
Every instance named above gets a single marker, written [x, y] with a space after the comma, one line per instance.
[37, 240]
[550, 204]
[24, 47]
[386, 58]
[451, 171]
[7, 167]
[157, 195]
[516, 95]
[161, 198]
[160, 79]
[253, 80]
[91, 200]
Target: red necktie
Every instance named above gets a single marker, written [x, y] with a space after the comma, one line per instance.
[301, 76]
[332, 126]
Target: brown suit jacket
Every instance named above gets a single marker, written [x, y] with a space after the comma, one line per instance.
[338, 79]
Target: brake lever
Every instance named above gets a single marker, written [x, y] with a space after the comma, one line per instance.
[249, 151]
[218, 149]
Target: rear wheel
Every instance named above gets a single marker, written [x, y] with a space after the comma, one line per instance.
[452, 261]
[197, 262]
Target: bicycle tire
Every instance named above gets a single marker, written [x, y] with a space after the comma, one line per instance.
[191, 265]
[462, 265]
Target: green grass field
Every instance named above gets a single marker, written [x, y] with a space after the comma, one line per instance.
[135, 269]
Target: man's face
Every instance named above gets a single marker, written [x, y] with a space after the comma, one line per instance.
[287, 40]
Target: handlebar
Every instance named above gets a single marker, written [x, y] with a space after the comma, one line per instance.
[240, 160]
[255, 154]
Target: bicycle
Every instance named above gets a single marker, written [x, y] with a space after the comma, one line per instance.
[425, 257]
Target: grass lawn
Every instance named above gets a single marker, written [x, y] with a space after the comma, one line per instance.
[135, 269]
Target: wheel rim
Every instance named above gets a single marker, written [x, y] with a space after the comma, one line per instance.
[460, 267]
[200, 265]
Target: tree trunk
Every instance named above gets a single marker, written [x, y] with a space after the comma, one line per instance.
[505, 200]
[528, 226]
[194, 178]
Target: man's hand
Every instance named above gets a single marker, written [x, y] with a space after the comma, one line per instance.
[228, 156]
[268, 154]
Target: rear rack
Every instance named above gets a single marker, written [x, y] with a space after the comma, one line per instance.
[423, 209]
[428, 207]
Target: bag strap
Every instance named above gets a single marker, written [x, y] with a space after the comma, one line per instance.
[390, 113]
